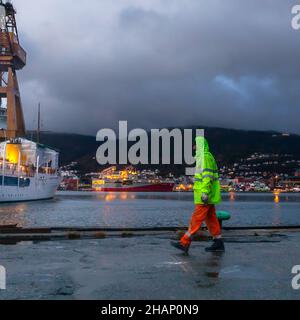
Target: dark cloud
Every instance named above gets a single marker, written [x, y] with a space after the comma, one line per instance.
[160, 63]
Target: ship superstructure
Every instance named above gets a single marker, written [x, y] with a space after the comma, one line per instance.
[29, 171]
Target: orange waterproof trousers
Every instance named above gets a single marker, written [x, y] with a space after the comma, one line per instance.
[202, 213]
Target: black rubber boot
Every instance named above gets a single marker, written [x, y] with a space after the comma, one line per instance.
[217, 246]
[179, 246]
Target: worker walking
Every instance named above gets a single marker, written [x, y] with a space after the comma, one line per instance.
[206, 195]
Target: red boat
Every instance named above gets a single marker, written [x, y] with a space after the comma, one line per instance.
[130, 180]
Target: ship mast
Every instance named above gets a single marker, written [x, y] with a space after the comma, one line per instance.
[38, 131]
[12, 58]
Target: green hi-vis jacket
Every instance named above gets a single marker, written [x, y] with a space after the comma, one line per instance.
[206, 176]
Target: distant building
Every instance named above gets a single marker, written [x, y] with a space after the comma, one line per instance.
[70, 184]
[291, 182]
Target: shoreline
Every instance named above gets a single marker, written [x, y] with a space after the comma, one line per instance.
[223, 192]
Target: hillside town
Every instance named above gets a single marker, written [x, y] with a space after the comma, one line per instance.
[257, 173]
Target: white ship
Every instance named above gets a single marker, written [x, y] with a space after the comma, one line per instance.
[28, 170]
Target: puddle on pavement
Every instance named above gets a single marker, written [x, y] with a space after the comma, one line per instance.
[214, 275]
[258, 238]
[205, 284]
[174, 262]
[170, 264]
[241, 272]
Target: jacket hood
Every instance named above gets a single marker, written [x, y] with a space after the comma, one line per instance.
[201, 145]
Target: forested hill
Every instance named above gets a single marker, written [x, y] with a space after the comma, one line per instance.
[228, 145]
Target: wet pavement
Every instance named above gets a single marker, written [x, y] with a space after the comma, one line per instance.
[149, 268]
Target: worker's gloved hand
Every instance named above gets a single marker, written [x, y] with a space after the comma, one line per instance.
[204, 198]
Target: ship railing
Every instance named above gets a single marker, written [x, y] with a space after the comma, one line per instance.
[48, 171]
[14, 172]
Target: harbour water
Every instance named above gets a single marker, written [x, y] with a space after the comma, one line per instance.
[85, 209]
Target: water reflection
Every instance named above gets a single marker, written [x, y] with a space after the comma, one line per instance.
[232, 196]
[106, 215]
[178, 196]
[276, 196]
[111, 196]
[13, 214]
[147, 210]
[208, 273]
[277, 214]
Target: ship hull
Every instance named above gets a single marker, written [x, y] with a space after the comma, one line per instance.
[158, 187]
[39, 188]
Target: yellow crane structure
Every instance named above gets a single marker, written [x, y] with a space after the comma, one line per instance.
[12, 58]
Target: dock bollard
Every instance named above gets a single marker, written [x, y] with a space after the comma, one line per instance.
[223, 216]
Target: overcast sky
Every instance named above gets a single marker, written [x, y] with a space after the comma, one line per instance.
[160, 63]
